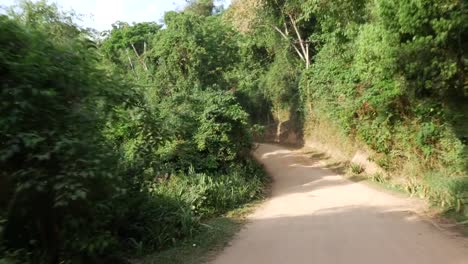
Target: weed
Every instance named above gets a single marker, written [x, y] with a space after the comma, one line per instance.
[356, 168]
[213, 235]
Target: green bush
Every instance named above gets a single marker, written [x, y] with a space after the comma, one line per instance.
[91, 130]
[152, 221]
[389, 75]
[57, 173]
[210, 195]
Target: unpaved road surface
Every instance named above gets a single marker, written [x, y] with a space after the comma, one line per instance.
[317, 217]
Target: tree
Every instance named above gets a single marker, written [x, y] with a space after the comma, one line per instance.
[200, 7]
[59, 25]
[193, 52]
[285, 17]
[243, 14]
[127, 44]
[56, 170]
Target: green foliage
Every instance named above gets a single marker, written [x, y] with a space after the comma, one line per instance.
[386, 73]
[129, 39]
[173, 208]
[151, 222]
[184, 132]
[356, 168]
[200, 7]
[211, 195]
[91, 136]
[194, 52]
[206, 130]
[447, 192]
[222, 135]
[247, 78]
[190, 118]
[57, 24]
[58, 174]
[280, 81]
[431, 33]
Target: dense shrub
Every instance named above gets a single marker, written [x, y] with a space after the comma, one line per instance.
[95, 149]
[57, 173]
[209, 195]
[390, 80]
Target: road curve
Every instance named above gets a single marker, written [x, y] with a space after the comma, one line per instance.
[316, 216]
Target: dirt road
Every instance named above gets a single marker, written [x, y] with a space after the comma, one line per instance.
[315, 216]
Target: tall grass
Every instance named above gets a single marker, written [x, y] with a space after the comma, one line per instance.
[211, 195]
[180, 204]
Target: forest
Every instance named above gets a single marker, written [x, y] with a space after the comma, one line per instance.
[124, 142]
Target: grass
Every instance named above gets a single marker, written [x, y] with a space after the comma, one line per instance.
[200, 213]
[214, 236]
[356, 168]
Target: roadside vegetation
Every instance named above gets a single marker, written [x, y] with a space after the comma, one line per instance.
[118, 144]
[387, 77]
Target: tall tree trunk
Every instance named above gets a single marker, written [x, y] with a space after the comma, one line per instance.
[302, 43]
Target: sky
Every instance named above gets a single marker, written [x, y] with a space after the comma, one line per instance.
[100, 14]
